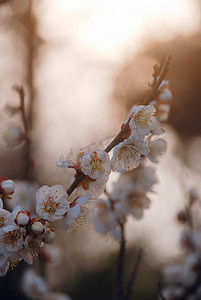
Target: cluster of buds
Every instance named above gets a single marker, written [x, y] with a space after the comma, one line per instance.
[53, 203]
[163, 101]
[7, 187]
[183, 280]
[21, 236]
[128, 197]
[96, 164]
[139, 141]
[96, 167]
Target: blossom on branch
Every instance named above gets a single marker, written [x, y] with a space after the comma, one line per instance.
[51, 202]
[163, 101]
[142, 120]
[126, 155]
[76, 210]
[96, 164]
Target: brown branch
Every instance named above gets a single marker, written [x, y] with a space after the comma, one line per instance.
[118, 138]
[163, 70]
[75, 183]
[131, 282]
[21, 93]
[120, 264]
[114, 142]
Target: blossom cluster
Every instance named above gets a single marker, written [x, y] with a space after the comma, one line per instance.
[163, 101]
[24, 231]
[182, 280]
[128, 197]
[35, 287]
[21, 235]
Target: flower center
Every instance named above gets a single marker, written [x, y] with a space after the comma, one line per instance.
[51, 206]
[1, 222]
[96, 164]
[11, 237]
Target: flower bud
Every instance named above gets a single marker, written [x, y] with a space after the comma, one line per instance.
[49, 236]
[22, 218]
[7, 186]
[13, 136]
[38, 226]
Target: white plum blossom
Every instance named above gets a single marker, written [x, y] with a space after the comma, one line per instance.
[12, 238]
[163, 101]
[157, 148]
[92, 186]
[162, 110]
[5, 218]
[49, 236]
[4, 264]
[143, 178]
[104, 219]
[13, 136]
[75, 210]
[96, 164]
[31, 249]
[64, 163]
[129, 199]
[165, 94]
[51, 202]
[34, 286]
[126, 155]
[142, 120]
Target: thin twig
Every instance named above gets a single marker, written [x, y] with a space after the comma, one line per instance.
[120, 265]
[21, 93]
[164, 68]
[114, 142]
[118, 138]
[131, 282]
[25, 120]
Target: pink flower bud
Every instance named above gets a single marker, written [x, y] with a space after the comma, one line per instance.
[7, 186]
[22, 218]
[49, 236]
[38, 226]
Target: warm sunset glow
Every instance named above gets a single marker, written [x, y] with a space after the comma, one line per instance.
[113, 25]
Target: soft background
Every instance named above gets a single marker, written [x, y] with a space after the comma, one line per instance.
[83, 64]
